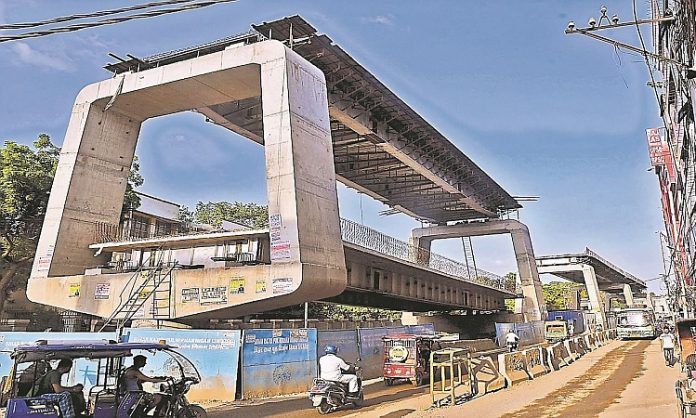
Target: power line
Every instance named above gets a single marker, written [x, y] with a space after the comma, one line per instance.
[80, 26]
[26, 25]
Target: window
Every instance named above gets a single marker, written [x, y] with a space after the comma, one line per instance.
[139, 227]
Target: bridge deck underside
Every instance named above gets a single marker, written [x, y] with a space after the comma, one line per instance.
[608, 279]
[382, 281]
[382, 147]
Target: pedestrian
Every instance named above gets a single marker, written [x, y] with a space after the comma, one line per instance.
[667, 341]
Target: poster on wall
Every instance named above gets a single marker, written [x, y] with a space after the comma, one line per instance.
[44, 261]
[282, 285]
[214, 295]
[280, 248]
[74, 290]
[237, 285]
[261, 286]
[189, 295]
[102, 291]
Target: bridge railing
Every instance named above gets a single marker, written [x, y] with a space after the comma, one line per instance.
[626, 274]
[369, 238]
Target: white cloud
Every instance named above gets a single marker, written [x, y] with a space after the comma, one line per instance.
[379, 20]
[56, 60]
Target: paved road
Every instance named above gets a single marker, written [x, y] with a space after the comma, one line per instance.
[621, 379]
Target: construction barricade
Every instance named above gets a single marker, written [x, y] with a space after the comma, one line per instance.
[513, 366]
[451, 375]
[278, 361]
[214, 352]
[371, 349]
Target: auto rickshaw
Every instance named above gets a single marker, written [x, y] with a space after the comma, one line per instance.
[685, 387]
[107, 398]
[407, 357]
[555, 331]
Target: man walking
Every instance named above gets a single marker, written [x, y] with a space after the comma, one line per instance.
[667, 341]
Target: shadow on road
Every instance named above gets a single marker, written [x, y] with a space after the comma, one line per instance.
[375, 395]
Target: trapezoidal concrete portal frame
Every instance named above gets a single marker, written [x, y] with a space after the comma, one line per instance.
[532, 305]
[307, 258]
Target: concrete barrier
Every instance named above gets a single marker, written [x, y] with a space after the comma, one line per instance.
[513, 366]
[486, 374]
[591, 342]
[559, 356]
[534, 362]
[572, 349]
[582, 345]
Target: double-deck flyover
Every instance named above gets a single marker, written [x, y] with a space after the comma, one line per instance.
[596, 273]
[320, 117]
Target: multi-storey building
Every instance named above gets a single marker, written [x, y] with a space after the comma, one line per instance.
[672, 148]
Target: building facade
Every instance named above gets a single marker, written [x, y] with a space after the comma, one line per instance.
[671, 146]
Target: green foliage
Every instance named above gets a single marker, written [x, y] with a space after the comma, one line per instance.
[130, 199]
[26, 176]
[185, 215]
[556, 294]
[510, 284]
[249, 214]
[336, 311]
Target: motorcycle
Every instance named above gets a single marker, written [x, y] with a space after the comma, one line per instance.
[174, 401]
[512, 346]
[328, 396]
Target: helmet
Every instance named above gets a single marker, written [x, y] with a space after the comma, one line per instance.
[331, 349]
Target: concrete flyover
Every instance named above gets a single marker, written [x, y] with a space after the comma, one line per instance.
[320, 116]
[533, 306]
[596, 273]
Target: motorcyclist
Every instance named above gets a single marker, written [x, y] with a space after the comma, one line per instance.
[133, 380]
[511, 340]
[333, 368]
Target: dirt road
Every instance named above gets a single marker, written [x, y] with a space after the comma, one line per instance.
[376, 394]
[621, 379]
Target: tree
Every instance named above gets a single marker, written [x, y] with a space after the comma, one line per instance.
[130, 199]
[556, 293]
[26, 176]
[249, 214]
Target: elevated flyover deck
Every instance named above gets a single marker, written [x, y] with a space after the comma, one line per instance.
[381, 146]
[381, 269]
[321, 117]
[597, 273]
[610, 277]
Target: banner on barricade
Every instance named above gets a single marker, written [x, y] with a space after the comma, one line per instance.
[278, 361]
[83, 371]
[371, 349]
[215, 353]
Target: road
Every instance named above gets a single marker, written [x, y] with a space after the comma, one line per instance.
[621, 379]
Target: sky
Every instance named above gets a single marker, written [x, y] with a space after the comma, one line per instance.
[543, 113]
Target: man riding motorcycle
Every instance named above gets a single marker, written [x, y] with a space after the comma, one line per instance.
[512, 340]
[332, 368]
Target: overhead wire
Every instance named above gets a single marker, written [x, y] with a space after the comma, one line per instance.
[144, 15]
[27, 25]
[680, 233]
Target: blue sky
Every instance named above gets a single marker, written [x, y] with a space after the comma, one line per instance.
[561, 117]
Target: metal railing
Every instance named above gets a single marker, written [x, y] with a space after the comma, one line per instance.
[371, 239]
[601, 259]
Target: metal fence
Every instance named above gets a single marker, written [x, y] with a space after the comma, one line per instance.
[369, 238]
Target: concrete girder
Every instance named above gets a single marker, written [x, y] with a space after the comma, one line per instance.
[628, 294]
[307, 256]
[590, 277]
[533, 306]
